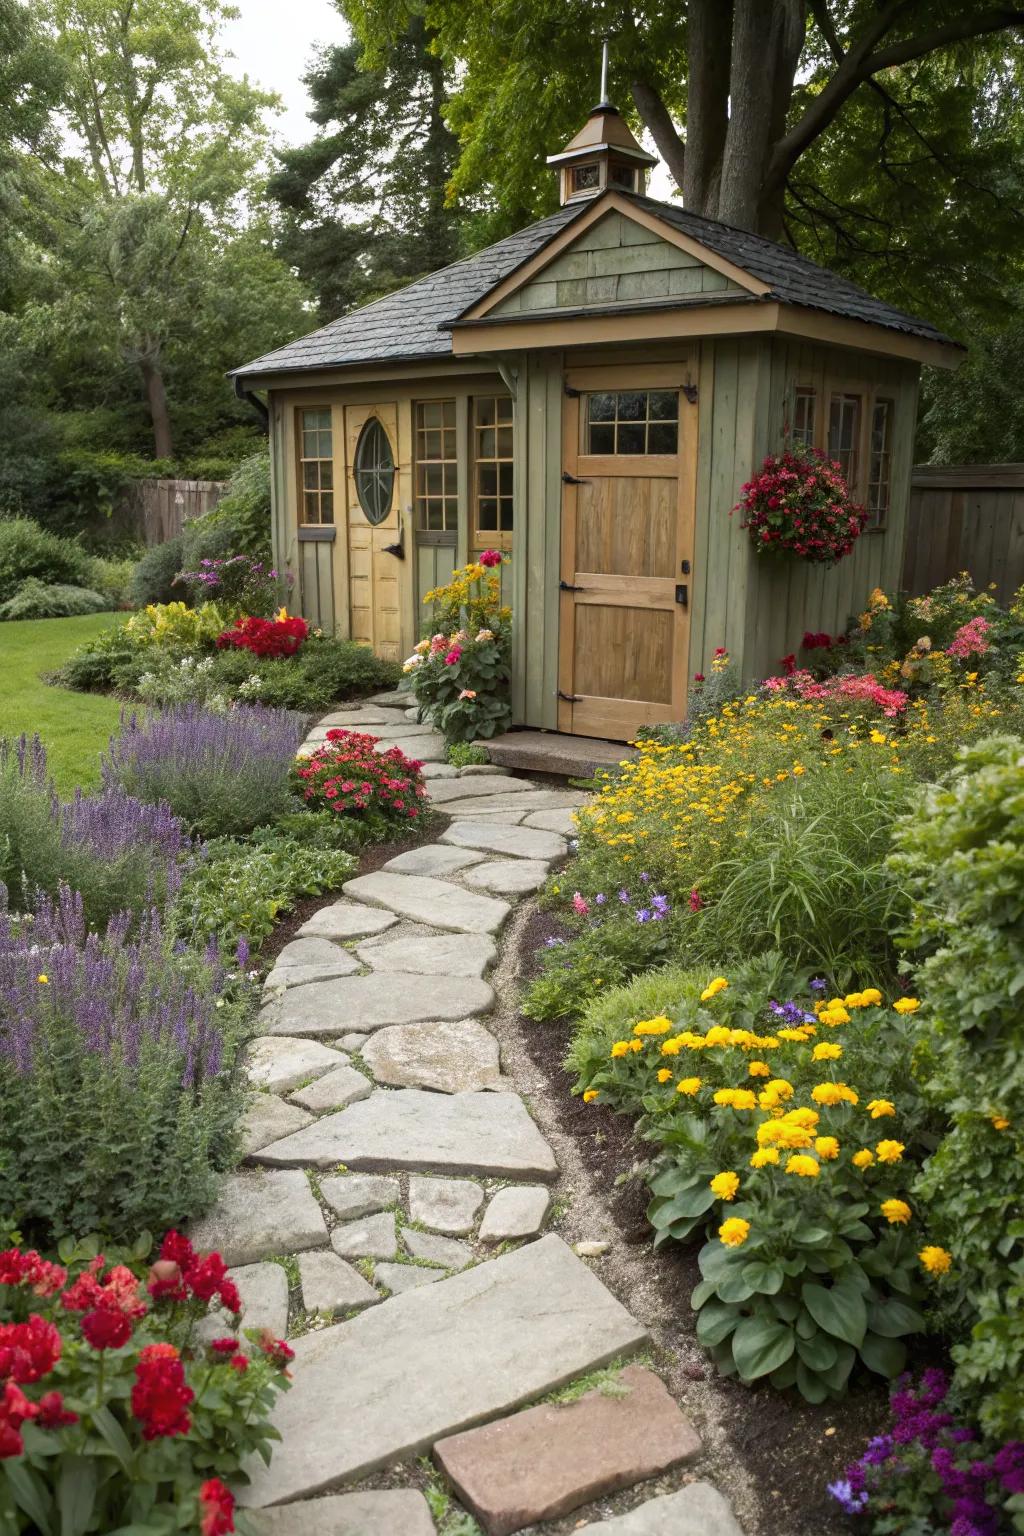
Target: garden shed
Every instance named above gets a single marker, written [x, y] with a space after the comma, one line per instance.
[589, 395]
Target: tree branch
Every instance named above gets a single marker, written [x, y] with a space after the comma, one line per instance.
[663, 130]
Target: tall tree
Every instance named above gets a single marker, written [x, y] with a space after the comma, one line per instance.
[30, 79]
[365, 200]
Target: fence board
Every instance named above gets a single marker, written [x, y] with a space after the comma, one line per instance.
[155, 511]
[966, 517]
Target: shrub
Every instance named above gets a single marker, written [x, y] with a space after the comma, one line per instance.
[766, 1140]
[463, 753]
[800, 503]
[961, 856]
[175, 627]
[349, 778]
[461, 675]
[27, 550]
[115, 1416]
[36, 600]
[267, 638]
[154, 579]
[242, 516]
[221, 773]
[112, 578]
[117, 1057]
[238, 582]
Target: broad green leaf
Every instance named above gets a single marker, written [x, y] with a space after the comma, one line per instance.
[29, 1494]
[886, 1357]
[836, 1376]
[701, 1293]
[841, 1313]
[76, 1494]
[785, 1376]
[809, 1236]
[786, 1307]
[818, 1352]
[893, 1319]
[812, 1387]
[734, 1288]
[672, 1181]
[715, 1259]
[760, 1345]
[104, 1421]
[765, 1278]
[715, 1322]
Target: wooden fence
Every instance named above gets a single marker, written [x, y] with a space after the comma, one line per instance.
[155, 510]
[966, 517]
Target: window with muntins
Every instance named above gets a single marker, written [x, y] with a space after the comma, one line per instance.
[633, 421]
[316, 466]
[374, 471]
[585, 178]
[492, 471]
[844, 435]
[805, 410]
[880, 464]
[437, 488]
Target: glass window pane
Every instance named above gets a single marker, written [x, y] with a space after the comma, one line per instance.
[488, 514]
[504, 405]
[449, 443]
[310, 475]
[506, 517]
[448, 412]
[327, 507]
[309, 445]
[324, 445]
[661, 437]
[432, 414]
[504, 442]
[451, 516]
[664, 405]
[602, 440]
[488, 443]
[602, 407]
[630, 438]
[311, 507]
[488, 479]
[632, 405]
[505, 479]
[326, 474]
[433, 479]
[431, 448]
[451, 479]
[485, 411]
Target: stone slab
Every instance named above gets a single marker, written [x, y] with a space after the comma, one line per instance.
[399, 698]
[427, 748]
[384, 1512]
[508, 877]
[257, 1214]
[531, 800]
[399, 1278]
[432, 859]
[518, 842]
[331, 1285]
[480, 788]
[439, 771]
[516, 1211]
[267, 1119]
[445, 954]
[346, 920]
[697, 1510]
[431, 901]
[356, 719]
[547, 1461]
[335, 1090]
[473, 770]
[445, 1251]
[563, 822]
[308, 952]
[367, 1002]
[445, 1205]
[359, 1194]
[371, 1237]
[437, 1360]
[284, 976]
[280, 1062]
[263, 1289]
[452, 1057]
[490, 1134]
[353, 1041]
[413, 730]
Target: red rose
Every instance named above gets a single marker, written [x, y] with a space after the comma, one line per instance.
[106, 1328]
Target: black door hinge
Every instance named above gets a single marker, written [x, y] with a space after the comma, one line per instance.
[568, 479]
[569, 698]
[573, 394]
[682, 597]
[690, 391]
[567, 586]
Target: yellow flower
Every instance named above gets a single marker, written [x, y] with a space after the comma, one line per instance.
[877, 1108]
[879, 738]
[803, 1166]
[725, 1185]
[833, 1093]
[827, 1148]
[735, 1098]
[671, 1047]
[906, 1005]
[590, 1095]
[863, 1158]
[854, 1000]
[896, 1212]
[834, 1015]
[636, 1045]
[871, 998]
[936, 1260]
[795, 1034]
[688, 1085]
[763, 1156]
[621, 1047]
[826, 1051]
[803, 1116]
[889, 1151]
[43, 979]
[734, 1231]
[664, 1074]
[759, 1069]
[713, 988]
[999, 1122]
[659, 1026]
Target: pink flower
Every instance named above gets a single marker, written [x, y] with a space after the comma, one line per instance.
[580, 904]
[696, 900]
[453, 657]
[490, 557]
[468, 693]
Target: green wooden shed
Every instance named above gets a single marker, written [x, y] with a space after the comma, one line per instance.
[589, 395]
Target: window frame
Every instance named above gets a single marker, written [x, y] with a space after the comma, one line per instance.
[301, 412]
[449, 493]
[358, 469]
[806, 436]
[848, 395]
[647, 421]
[499, 538]
[878, 514]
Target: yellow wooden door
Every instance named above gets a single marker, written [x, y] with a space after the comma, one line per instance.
[373, 573]
[627, 528]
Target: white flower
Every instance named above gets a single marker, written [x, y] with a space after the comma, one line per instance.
[485, 634]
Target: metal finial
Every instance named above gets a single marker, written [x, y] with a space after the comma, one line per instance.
[604, 72]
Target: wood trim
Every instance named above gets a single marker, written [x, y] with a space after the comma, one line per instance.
[653, 466]
[839, 331]
[623, 591]
[600, 207]
[637, 325]
[597, 376]
[975, 477]
[354, 376]
[317, 533]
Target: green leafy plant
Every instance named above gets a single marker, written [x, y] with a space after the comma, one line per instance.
[460, 675]
[39, 600]
[28, 550]
[154, 578]
[461, 754]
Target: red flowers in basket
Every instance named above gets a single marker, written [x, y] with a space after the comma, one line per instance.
[280, 636]
[801, 503]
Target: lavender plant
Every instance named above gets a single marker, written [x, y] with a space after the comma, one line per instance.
[239, 582]
[117, 1091]
[223, 774]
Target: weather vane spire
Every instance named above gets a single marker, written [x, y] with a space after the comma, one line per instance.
[604, 72]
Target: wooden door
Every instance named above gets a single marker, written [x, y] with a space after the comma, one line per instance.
[373, 574]
[630, 440]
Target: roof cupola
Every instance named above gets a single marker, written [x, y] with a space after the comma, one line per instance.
[604, 154]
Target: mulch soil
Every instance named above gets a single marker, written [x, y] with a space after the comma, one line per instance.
[791, 1449]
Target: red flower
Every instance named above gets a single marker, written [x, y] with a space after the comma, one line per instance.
[490, 557]
[229, 1297]
[454, 656]
[15, 1408]
[52, 1413]
[275, 1349]
[160, 1396]
[106, 1328]
[696, 900]
[177, 1249]
[166, 1281]
[28, 1351]
[788, 664]
[205, 1278]
[239, 1363]
[17, 1268]
[225, 1346]
[216, 1508]
[265, 637]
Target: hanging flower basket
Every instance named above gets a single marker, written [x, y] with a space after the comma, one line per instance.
[800, 505]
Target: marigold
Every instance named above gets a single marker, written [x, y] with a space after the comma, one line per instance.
[834, 1015]
[764, 1156]
[827, 1148]
[688, 1085]
[734, 1231]
[826, 1051]
[590, 1094]
[804, 1116]
[620, 1048]
[736, 1098]
[863, 1158]
[759, 1069]
[803, 1166]
[1000, 1123]
[636, 1045]
[713, 988]
[725, 1185]
[833, 1093]
[896, 1212]
[804, 1033]
[889, 1151]
[870, 998]
[906, 1005]
[658, 1026]
[936, 1261]
[664, 1074]
[877, 1108]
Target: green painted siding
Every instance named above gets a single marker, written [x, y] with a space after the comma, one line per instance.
[616, 261]
[536, 554]
[434, 566]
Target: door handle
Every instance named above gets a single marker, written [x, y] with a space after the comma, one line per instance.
[568, 479]
[567, 586]
[570, 698]
[682, 596]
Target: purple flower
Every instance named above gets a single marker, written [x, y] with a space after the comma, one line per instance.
[852, 1502]
[643, 915]
[818, 984]
[624, 897]
[644, 876]
[1008, 1466]
[600, 899]
[879, 1450]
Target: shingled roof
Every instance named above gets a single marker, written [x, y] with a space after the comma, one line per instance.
[414, 323]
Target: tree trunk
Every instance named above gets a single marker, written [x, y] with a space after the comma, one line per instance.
[766, 42]
[708, 39]
[156, 399]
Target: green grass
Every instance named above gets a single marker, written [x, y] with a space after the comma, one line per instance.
[74, 726]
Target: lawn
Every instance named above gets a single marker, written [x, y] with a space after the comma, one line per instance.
[74, 726]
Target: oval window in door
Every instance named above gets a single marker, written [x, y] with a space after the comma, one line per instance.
[374, 471]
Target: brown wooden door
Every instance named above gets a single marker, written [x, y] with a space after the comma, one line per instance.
[373, 574]
[627, 519]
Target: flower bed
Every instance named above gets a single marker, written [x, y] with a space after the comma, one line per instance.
[460, 674]
[348, 777]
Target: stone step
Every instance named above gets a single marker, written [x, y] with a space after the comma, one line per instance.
[508, 877]
[449, 1057]
[267, 1119]
[346, 920]
[499, 801]
[424, 954]
[367, 1002]
[573, 757]
[391, 1382]
[426, 748]
[697, 1510]
[384, 1512]
[519, 842]
[432, 859]
[430, 901]
[546, 1461]
[490, 1134]
[259, 1214]
[481, 788]
[281, 1062]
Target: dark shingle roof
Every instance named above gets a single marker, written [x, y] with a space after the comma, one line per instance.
[413, 322]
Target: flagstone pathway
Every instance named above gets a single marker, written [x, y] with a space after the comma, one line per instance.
[389, 1217]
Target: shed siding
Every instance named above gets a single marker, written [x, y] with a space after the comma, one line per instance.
[536, 560]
